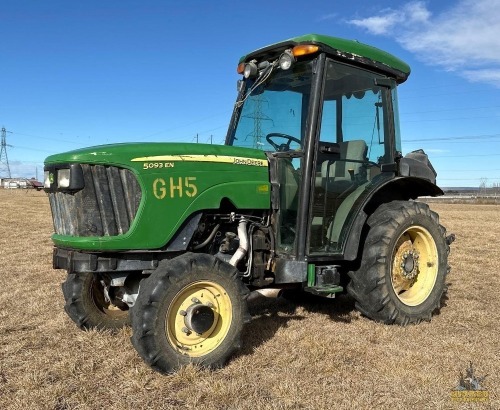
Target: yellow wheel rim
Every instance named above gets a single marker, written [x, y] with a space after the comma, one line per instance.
[107, 308]
[198, 295]
[414, 266]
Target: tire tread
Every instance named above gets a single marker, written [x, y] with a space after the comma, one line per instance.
[368, 285]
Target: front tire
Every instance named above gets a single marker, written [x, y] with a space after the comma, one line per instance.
[190, 310]
[404, 264]
[86, 304]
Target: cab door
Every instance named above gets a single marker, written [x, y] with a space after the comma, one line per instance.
[355, 138]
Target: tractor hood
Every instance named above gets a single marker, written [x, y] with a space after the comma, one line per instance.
[131, 154]
[137, 196]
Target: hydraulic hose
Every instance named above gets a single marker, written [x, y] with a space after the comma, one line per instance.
[209, 239]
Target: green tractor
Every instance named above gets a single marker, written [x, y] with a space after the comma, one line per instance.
[310, 193]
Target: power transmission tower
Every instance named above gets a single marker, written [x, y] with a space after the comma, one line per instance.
[258, 117]
[4, 159]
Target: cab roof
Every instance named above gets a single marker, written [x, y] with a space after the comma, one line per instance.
[351, 50]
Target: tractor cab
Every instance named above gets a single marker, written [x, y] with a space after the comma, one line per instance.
[326, 121]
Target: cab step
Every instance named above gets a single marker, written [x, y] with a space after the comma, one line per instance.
[326, 290]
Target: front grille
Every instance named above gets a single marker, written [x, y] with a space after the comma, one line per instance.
[106, 206]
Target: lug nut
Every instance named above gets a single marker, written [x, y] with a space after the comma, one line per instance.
[210, 305]
[183, 313]
[186, 331]
[195, 300]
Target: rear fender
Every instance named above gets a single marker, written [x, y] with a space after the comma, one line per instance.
[400, 188]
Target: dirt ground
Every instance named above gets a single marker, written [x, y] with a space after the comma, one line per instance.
[312, 356]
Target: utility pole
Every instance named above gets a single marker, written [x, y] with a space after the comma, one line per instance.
[4, 159]
[482, 186]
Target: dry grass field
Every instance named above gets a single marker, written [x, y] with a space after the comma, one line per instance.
[294, 357]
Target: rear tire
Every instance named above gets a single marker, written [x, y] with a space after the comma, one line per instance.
[404, 264]
[190, 310]
[86, 304]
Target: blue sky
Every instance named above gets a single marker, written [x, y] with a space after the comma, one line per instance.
[80, 73]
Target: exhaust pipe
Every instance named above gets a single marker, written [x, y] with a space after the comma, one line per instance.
[268, 293]
[243, 248]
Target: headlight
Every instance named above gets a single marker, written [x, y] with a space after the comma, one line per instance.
[286, 60]
[250, 70]
[47, 179]
[63, 178]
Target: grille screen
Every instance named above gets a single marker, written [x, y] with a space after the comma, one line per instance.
[106, 206]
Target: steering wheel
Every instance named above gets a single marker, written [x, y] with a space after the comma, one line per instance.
[281, 147]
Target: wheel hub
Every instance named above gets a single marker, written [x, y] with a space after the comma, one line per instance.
[199, 318]
[409, 264]
[406, 265]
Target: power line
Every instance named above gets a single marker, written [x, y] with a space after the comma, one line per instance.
[465, 137]
[465, 156]
[451, 142]
[426, 96]
[45, 138]
[467, 179]
[450, 119]
[185, 125]
[186, 137]
[471, 170]
[449, 109]
[33, 149]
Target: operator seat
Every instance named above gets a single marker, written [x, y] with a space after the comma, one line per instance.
[340, 174]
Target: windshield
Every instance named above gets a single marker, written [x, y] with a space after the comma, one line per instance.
[273, 115]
